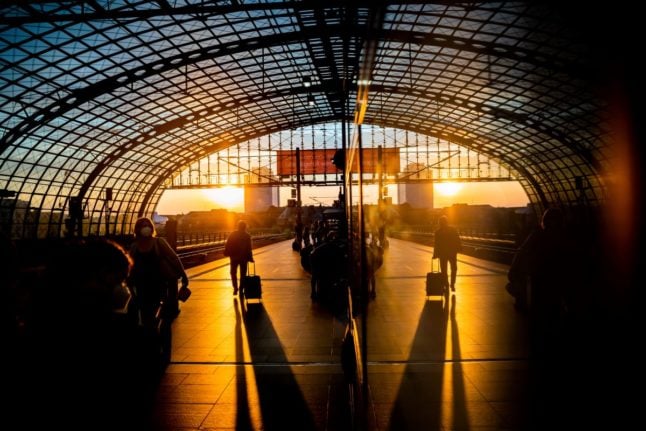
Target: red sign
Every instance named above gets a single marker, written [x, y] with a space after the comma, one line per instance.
[315, 162]
[312, 162]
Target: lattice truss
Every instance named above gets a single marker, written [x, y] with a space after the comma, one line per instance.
[124, 95]
[418, 158]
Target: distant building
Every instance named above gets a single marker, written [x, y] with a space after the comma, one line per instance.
[416, 194]
[259, 198]
[159, 219]
[16, 218]
[205, 221]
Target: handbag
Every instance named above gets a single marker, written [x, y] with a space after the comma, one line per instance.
[184, 293]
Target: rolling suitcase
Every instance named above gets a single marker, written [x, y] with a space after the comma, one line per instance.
[435, 281]
[251, 286]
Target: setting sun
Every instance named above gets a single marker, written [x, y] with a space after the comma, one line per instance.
[226, 197]
[448, 189]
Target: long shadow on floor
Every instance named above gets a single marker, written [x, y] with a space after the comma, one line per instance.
[423, 399]
[280, 397]
[243, 418]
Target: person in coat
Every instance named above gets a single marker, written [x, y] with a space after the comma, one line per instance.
[447, 246]
[239, 250]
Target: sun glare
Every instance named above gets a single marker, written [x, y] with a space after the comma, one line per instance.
[226, 197]
[448, 189]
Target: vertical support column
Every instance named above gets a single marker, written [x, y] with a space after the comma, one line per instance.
[364, 288]
[380, 170]
[106, 203]
[298, 185]
[381, 204]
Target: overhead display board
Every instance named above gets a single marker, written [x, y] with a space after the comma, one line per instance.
[319, 161]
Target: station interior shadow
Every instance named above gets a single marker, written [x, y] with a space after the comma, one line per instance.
[243, 419]
[280, 396]
[419, 402]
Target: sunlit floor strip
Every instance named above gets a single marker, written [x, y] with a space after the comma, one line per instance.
[259, 364]
[265, 279]
[336, 364]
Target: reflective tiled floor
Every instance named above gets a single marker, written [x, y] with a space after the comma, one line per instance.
[459, 362]
[456, 363]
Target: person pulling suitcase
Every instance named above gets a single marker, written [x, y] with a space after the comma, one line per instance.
[446, 248]
[239, 250]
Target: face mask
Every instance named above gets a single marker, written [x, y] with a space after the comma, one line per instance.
[146, 231]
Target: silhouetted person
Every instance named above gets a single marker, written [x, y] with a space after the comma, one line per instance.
[329, 267]
[156, 270]
[85, 291]
[374, 260]
[8, 285]
[306, 251]
[548, 260]
[298, 236]
[446, 248]
[83, 340]
[239, 250]
[320, 232]
[381, 234]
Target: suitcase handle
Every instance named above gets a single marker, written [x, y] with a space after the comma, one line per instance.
[439, 268]
[249, 268]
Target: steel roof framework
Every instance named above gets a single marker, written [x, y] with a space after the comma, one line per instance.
[124, 95]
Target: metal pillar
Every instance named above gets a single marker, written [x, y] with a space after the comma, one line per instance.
[298, 185]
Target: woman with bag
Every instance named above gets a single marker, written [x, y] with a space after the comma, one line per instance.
[156, 270]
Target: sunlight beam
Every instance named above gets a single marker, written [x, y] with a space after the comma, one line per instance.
[448, 189]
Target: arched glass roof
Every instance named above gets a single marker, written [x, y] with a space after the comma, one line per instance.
[125, 94]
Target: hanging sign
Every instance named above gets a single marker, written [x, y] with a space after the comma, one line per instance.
[319, 161]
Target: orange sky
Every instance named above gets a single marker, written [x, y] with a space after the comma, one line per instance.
[498, 194]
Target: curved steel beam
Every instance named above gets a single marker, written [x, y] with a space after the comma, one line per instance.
[484, 109]
[491, 49]
[205, 113]
[520, 168]
[185, 161]
[180, 122]
[201, 11]
[84, 95]
[468, 143]
[452, 138]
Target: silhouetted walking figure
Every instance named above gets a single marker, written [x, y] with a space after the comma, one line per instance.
[298, 236]
[446, 248]
[239, 250]
[374, 260]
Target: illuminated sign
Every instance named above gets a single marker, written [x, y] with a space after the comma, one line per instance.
[314, 162]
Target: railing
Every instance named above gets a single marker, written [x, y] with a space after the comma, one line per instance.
[196, 247]
[465, 232]
[200, 238]
[197, 238]
[490, 247]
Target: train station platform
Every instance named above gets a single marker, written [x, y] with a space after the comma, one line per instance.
[458, 363]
